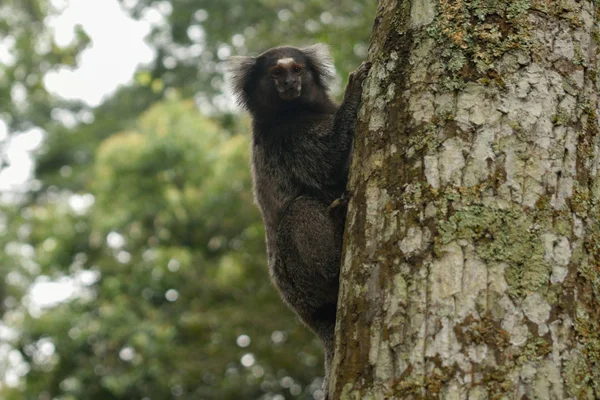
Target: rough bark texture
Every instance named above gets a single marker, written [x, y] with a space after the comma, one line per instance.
[472, 250]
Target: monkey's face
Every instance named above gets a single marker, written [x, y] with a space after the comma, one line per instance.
[281, 78]
[287, 76]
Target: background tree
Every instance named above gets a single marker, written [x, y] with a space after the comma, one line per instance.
[472, 251]
[142, 209]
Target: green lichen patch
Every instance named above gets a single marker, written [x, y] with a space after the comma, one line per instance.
[425, 137]
[498, 379]
[577, 379]
[499, 382]
[509, 235]
[535, 349]
[489, 332]
[411, 387]
[586, 143]
[587, 326]
[586, 369]
[585, 202]
[438, 378]
[580, 201]
[482, 331]
[423, 387]
[473, 35]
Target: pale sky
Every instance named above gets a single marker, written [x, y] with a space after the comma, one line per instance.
[117, 49]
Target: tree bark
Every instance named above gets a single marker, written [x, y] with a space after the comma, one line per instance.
[472, 248]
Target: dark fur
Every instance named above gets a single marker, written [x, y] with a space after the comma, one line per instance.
[300, 159]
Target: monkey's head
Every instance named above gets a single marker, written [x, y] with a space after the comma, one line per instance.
[281, 77]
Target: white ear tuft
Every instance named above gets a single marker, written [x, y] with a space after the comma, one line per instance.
[321, 59]
[319, 50]
[240, 68]
[236, 64]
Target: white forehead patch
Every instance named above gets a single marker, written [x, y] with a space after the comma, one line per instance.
[285, 61]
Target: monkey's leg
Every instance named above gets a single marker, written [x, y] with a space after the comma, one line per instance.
[309, 241]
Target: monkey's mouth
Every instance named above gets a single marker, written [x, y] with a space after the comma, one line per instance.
[289, 94]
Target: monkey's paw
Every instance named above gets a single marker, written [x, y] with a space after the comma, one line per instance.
[357, 77]
[340, 205]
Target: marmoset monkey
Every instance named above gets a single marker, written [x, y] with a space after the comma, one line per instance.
[301, 145]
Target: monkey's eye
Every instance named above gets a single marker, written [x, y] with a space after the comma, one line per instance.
[297, 69]
[276, 73]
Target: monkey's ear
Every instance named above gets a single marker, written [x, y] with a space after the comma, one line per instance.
[321, 60]
[240, 68]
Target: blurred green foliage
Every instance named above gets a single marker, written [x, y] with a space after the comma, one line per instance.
[33, 53]
[146, 213]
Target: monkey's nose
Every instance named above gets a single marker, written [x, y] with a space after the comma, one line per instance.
[289, 83]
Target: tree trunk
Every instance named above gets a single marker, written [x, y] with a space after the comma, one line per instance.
[472, 250]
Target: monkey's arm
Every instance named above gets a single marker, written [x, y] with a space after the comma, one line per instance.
[320, 157]
[345, 117]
